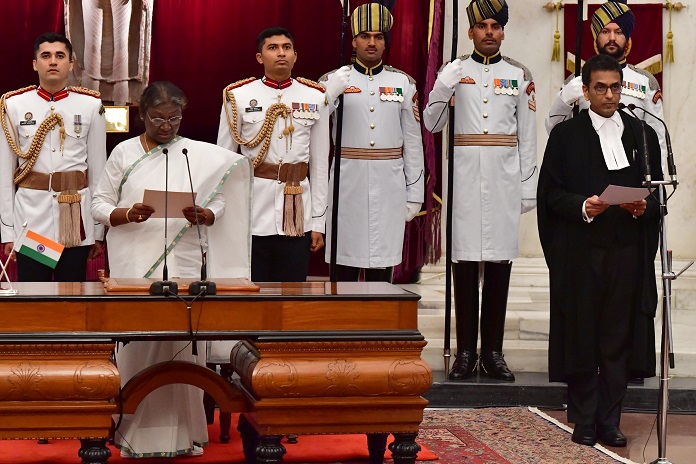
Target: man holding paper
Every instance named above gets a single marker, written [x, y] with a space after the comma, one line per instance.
[600, 256]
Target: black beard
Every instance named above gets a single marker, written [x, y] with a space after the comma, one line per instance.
[617, 55]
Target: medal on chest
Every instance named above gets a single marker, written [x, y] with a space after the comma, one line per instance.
[393, 94]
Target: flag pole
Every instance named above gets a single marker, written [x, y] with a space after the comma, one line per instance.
[337, 156]
[450, 195]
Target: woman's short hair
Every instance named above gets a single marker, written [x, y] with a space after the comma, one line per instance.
[159, 93]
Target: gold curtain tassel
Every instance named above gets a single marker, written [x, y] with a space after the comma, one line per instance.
[556, 53]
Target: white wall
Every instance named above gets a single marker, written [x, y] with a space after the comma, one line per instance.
[529, 39]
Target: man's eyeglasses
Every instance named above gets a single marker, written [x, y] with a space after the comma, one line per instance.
[601, 89]
[173, 121]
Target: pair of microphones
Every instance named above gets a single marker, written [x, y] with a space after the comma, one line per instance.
[671, 167]
[165, 286]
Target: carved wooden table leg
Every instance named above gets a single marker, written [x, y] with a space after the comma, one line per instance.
[377, 445]
[404, 448]
[250, 439]
[270, 450]
[94, 451]
[225, 417]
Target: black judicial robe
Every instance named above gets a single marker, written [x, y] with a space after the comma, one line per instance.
[572, 171]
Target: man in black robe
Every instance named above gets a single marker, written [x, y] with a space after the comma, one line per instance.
[600, 256]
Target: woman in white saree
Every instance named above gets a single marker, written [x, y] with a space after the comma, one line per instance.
[171, 421]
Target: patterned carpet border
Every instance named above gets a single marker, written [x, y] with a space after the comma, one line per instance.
[518, 435]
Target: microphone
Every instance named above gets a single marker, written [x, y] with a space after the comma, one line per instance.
[646, 155]
[165, 286]
[671, 167]
[203, 286]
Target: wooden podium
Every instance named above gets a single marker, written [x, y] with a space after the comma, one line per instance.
[315, 358]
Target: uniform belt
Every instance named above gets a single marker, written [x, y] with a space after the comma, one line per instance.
[287, 172]
[485, 140]
[293, 208]
[372, 154]
[57, 181]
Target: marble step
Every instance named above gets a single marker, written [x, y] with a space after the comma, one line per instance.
[526, 341]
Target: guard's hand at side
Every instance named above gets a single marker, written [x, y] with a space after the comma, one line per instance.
[412, 209]
[317, 242]
[8, 250]
[572, 91]
[594, 206]
[451, 74]
[337, 83]
[96, 250]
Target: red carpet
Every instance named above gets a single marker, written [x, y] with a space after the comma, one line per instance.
[310, 448]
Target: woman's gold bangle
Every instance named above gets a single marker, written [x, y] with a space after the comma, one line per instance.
[128, 213]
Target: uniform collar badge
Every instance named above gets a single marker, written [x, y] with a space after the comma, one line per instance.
[362, 69]
[52, 97]
[276, 84]
[480, 58]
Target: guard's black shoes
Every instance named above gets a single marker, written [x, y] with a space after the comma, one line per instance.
[493, 364]
[611, 435]
[584, 434]
[464, 365]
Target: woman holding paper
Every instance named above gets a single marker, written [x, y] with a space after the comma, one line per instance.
[171, 421]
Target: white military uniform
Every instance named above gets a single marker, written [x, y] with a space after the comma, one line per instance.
[639, 88]
[308, 143]
[496, 97]
[84, 149]
[380, 112]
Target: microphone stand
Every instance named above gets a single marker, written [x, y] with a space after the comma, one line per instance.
[668, 275]
[165, 286]
[203, 286]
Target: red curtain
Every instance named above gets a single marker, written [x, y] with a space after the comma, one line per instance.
[23, 23]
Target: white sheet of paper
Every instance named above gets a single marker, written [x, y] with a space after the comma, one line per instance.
[177, 202]
[615, 194]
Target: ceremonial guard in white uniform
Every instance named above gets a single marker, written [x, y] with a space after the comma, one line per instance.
[52, 154]
[282, 124]
[612, 26]
[495, 178]
[381, 185]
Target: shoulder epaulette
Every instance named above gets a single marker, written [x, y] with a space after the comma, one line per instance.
[393, 69]
[85, 91]
[18, 91]
[527, 72]
[312, 84]
[463, 57]
[654, 85]
[234, 85]
[326, 76]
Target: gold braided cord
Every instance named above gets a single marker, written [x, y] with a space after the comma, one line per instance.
[84, 91]
[273, 112]
[32, 154]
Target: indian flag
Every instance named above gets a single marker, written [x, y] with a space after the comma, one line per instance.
[42, 249]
